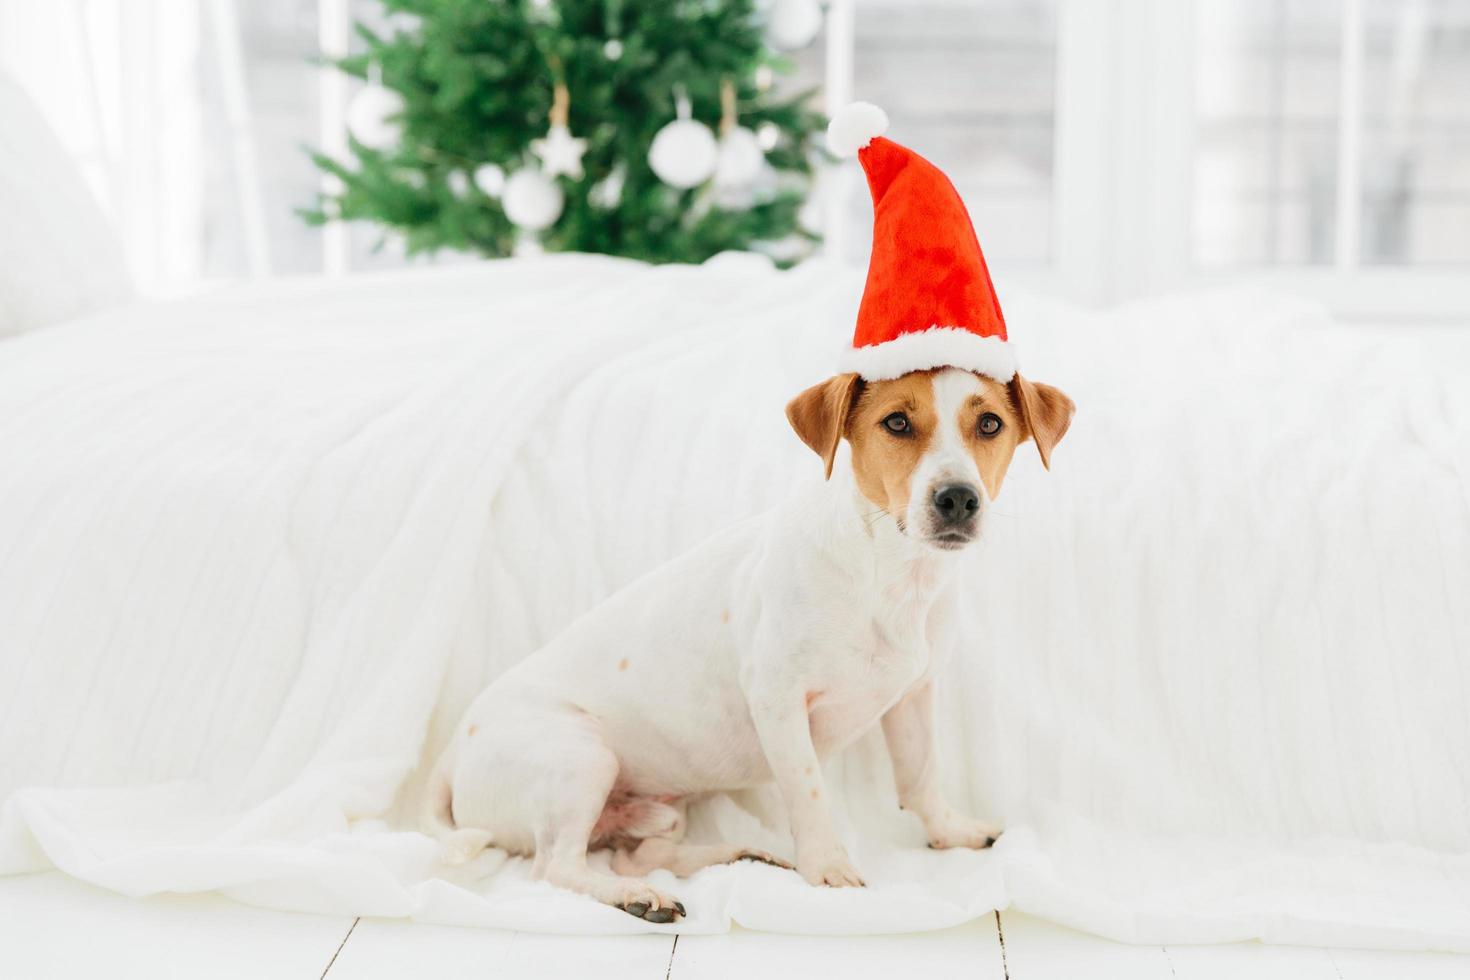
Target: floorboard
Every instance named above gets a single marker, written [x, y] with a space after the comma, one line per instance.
[1366, 964]
[392, 949]
[971, 951]
[541, 957]
[1250, 960]
[381, 948]
[1039, 950]
[56, 927]
[53, 927]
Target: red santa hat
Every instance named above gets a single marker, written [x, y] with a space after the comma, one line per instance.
[928, 301]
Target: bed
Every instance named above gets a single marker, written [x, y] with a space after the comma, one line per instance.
[260, 547]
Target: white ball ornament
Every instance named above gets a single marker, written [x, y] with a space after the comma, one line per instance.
[740, 158]
[490, 179]
[767, 184]
[370, 117]
[793, 23]
[531, 200]
[684, 152]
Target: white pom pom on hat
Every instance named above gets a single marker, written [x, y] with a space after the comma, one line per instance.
[854, 127]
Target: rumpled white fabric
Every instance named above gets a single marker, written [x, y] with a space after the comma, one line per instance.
[259, 549]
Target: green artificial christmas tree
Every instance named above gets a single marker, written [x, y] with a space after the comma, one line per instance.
[643, 128]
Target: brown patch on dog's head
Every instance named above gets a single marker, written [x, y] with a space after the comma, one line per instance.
[917, 436]
[883, 460]
[991, 451]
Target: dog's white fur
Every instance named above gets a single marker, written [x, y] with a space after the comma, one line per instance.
[773, 645]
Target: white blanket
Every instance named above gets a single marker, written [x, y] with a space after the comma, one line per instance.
[259, 549]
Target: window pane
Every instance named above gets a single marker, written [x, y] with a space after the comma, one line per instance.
[1265, 172]
[1416, 133]
[278, 42]
[971, 84]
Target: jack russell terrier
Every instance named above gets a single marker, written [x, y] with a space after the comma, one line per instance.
[783, 639]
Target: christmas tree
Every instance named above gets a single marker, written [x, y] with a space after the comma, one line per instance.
[643, 128]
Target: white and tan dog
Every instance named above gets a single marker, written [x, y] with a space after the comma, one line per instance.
[752, 658]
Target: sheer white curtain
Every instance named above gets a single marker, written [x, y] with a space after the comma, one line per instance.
[118, 82]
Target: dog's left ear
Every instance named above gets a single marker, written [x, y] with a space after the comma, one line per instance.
[1047, 412]
[819, 414]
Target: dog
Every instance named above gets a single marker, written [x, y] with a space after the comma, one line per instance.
[752, 658]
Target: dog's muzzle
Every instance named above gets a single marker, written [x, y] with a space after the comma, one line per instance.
[955, 509]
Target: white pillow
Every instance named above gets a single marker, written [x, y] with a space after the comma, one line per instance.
[59, 257]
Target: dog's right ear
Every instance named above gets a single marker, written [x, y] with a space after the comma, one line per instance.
[1047, 412]
[819, 414]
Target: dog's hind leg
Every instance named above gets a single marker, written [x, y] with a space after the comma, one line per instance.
[684, 859]
[457, 845]
[572, 794]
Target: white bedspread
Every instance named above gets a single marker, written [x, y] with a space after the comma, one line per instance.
[259, 549]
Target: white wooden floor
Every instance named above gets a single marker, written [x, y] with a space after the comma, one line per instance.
[51, 926]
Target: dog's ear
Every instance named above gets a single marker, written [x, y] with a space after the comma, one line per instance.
[1047, 412]
[819, 414]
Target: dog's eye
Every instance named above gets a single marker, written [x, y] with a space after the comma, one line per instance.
[989, 424]
[897, 423]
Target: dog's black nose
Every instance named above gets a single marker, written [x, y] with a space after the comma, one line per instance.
[956, 503]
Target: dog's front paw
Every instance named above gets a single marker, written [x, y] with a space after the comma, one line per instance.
[643, 902]
[953, 830]
[764, 857]
[829, 866]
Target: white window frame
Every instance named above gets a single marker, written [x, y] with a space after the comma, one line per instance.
[1124, 169]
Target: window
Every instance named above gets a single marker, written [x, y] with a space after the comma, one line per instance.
[1415, 192]
[1110, 149]
[1297, 97]
[1265, 160]
[972, 83]
[1107, 149]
